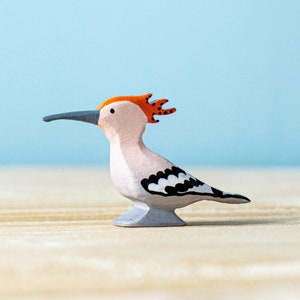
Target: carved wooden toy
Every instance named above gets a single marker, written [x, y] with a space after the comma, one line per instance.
[155, 185]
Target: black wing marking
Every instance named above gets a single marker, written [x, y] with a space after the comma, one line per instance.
[171, 183]
[176, 182]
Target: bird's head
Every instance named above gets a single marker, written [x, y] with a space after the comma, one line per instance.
[120, 116]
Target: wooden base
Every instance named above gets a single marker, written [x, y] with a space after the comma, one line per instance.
[142, 215]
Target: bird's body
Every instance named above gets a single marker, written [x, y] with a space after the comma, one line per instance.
[155, 185]
[159, 183]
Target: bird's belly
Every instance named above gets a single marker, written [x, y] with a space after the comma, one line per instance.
[123, 183]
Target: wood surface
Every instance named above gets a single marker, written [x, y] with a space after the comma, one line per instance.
[58, 241]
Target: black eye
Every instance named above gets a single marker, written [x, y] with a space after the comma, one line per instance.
[112, 111]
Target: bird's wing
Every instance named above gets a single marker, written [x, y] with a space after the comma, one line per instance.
[176, 182]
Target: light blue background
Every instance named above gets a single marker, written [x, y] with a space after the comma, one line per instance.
[231, 68]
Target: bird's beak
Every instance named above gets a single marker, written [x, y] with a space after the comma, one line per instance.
[89, 116]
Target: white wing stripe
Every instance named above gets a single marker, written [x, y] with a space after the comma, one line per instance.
[172, 180]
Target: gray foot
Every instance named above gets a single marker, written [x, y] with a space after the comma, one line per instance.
[142, 216]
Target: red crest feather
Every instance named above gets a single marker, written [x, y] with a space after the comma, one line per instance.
[150, 109]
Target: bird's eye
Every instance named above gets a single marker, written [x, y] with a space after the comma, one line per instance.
[112, 111]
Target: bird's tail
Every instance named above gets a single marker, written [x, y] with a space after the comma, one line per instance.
[224, 197]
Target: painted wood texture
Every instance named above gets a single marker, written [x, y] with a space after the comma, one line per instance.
[155, 185]
[58, 241]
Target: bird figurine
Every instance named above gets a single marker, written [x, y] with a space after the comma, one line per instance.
[155, 185]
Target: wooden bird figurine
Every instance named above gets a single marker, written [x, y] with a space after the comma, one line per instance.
[155, 185]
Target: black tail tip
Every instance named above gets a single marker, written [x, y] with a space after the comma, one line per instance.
[242, 197]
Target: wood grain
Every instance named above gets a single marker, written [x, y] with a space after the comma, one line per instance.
[58, 241]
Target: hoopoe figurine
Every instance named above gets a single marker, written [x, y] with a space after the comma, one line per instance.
[155, 185]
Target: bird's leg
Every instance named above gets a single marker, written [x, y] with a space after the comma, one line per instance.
[141, 215]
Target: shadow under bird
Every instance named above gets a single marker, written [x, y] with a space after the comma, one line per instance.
[155, 185]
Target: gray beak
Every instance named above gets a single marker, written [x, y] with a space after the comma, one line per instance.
[89, 116]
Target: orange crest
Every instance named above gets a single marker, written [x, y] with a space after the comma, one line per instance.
[150, 109]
